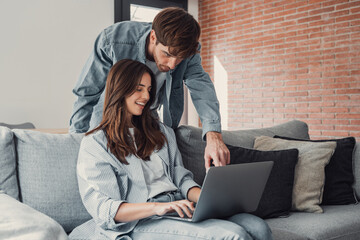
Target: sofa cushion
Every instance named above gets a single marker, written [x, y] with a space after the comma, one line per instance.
[8, 178]
[47, 175]
[340, 222]
[19, 221]
[339, 176]
[192, 147]
[277, 196]
[309, 171]
[356, 166]
[281, 234]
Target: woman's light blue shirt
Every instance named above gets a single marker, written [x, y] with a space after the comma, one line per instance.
[105, 183]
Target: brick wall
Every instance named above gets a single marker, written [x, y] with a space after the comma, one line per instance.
[287, 60]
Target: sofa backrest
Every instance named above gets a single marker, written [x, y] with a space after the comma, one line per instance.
[46, 166]
[192, 147]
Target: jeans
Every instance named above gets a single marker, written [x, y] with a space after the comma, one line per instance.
[241, 226]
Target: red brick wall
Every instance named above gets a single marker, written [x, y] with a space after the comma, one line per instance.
[287, 60]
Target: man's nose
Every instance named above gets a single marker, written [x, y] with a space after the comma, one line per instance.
[172, 63]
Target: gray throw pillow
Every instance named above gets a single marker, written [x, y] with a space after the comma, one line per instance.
[47, 175]
[8, 181]
[309, 171]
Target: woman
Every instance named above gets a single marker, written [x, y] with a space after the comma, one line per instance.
[130, 172]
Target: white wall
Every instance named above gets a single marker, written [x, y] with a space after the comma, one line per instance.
[43, 47]
[190, 117]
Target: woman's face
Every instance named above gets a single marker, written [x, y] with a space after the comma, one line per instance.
[136, 102]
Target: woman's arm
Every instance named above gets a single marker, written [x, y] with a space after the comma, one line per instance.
[128, 212]
[193, 194]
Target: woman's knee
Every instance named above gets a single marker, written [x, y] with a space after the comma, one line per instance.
[220, 229]
[255, 226]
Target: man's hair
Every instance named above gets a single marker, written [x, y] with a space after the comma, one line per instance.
[122, 81]
[178, 30]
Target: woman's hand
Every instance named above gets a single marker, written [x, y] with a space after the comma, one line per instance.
[181, 207]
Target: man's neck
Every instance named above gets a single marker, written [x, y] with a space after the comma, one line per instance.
[149, 50]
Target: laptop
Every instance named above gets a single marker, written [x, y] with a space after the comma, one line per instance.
[229, 190]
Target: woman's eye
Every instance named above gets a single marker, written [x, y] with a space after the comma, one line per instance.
[139, 89]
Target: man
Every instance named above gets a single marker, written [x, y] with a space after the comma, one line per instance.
[170, 47]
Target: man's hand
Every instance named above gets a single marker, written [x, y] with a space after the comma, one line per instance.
[216, 150]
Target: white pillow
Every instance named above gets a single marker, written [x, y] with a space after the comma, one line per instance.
[19, 221]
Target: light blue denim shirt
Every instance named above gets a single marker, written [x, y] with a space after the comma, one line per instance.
[127, 40]
[105, 183]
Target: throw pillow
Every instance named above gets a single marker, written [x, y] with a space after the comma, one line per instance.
[309, 171]
[277, 196]
[47, 175]
[8, 177]
[20, 221]
[339, 176]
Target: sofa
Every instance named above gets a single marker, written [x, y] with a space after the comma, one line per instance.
[39, 197]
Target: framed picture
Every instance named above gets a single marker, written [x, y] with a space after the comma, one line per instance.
[143, 10]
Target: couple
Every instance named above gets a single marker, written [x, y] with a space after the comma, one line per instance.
[130, 171]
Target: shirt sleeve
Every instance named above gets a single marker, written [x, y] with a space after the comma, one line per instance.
[90, 85]
[99, 186]
[203, 95]
[182, 177]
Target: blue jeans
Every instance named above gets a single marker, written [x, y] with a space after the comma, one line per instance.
[240, 226]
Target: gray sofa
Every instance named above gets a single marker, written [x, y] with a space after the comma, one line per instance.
[37, 176]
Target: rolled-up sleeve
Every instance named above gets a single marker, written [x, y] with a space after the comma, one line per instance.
[98, 184]
[203, 95]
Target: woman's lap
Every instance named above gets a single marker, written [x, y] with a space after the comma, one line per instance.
[174, 229]
[240, 226]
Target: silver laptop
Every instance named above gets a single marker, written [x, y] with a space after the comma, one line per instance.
[230, 190]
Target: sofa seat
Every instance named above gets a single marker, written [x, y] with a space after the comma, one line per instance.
[337, 222]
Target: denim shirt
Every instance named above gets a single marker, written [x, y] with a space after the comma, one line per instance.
[105, 183]
[127, 40]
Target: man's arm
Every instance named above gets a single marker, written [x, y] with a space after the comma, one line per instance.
[90, 85]
[203, 95]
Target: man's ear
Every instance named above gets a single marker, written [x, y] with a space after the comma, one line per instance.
[152, 37]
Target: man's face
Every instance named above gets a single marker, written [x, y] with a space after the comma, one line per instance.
[163, 59]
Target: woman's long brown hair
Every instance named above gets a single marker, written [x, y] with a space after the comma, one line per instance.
[122, 81]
